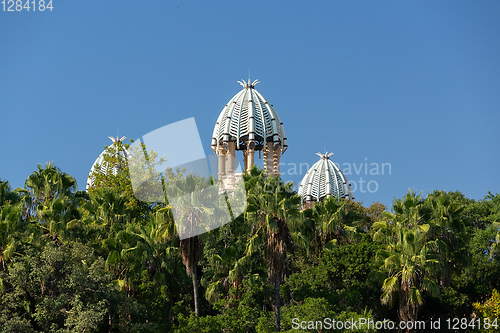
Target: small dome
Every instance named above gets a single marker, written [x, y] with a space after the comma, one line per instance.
[248, 117]
[324, 179]
[120, 150]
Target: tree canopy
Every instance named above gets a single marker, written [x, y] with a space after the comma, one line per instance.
[104, 261]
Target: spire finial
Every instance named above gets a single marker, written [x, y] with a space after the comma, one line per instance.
[247, 85]
[117, 139]
[325, 156]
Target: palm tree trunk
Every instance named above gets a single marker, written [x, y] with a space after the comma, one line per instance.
[277, 319]
[195, 290]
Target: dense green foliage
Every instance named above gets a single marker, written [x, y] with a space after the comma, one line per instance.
[104, 262]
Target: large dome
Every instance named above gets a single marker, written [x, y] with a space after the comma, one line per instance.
[248, 118]
[100, 164]
[324, 178]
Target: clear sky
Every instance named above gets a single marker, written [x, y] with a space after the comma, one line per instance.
[415, 84]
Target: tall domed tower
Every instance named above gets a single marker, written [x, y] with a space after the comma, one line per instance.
[324, 179]
[248, 123]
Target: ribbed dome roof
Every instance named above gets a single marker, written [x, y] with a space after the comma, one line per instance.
[248, 117]
[324, 178]
[100, 162]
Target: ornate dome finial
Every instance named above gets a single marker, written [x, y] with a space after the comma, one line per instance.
[247, 85]
[325, 155]
[117, 139]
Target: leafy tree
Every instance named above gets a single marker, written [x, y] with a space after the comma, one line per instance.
[230, 275]
[191, 211]
[448, 227]
[6, 195]
[409, 260]
[331, 222]
[273, 207]
[50, 200]
[104, 261]
[130, 170]
[113, 172]
[237, 313]
[66, 287]
[340, 277]
[313, 312]
[47, 184]
[409, 264]
[12, 228]
[490, 308]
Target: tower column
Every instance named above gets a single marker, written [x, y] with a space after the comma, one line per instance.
[276, 160]
[268, 158]
[250, 156]
[222, 163]
[245, 162]
[265, 154]
[230, 156]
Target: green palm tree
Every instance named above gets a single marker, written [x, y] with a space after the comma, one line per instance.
[227, 264]
[108, 207]
[117, 261]
[496, 245]
[50, 200]
[10, 224]
[448, 228]
[190, 249]
[48, 183]
[330, 223]
[15, 231]
[190, 211]
[273, 207]
[130, 249]
[409, 263]
[6, 195]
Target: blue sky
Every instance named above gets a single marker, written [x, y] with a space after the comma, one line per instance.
[412, 83]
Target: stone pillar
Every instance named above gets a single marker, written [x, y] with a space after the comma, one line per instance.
[265, 154]
[222, 163]
[276, 160]
[250, 156]
[265, 157]
[245, 162]
[268, 158]
[230, 156]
